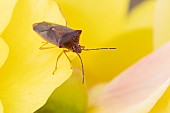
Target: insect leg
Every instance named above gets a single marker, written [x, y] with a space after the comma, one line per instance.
[45, 43]
[57, 62]
[68, 58]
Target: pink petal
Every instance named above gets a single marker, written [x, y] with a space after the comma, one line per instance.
[137, 89]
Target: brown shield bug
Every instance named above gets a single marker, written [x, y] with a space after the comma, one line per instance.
[63, 37]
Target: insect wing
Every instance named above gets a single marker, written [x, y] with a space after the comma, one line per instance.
[56, 32]
[61, 31]
[51, 32]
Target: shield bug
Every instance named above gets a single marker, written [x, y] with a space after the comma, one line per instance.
[63, 37]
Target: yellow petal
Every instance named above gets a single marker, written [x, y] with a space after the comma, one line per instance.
[162, 23]
[102, 66]
[163, 105]
[70, 97]
[141, 16]
[26, 78]
[1, 107]
[135, 36]
[94, 93]
[137, 89]
[104, 25]
[6, 9]
[99, 19]
[4, 51]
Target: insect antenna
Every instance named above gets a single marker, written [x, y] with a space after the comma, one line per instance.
[96, 49]
[89, 50]
[82, 67]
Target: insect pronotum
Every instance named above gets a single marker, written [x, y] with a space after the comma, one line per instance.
[63, 37]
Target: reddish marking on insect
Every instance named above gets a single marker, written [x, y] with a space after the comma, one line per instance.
[63, 37]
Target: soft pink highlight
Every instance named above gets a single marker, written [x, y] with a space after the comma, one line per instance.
[139, 87]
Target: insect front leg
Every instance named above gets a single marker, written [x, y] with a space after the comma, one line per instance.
[45, 43]
[68, 58]
[64, 51]
[57, 62]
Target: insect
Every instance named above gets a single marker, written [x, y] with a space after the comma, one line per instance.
[63, 37]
